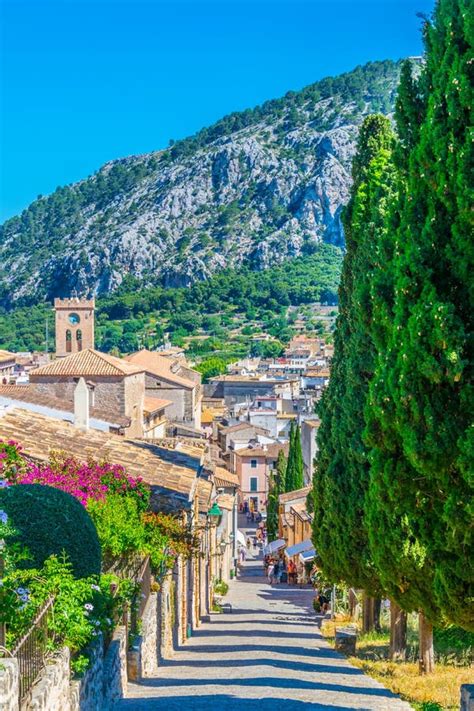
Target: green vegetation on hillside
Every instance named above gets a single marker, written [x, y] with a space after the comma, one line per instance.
[72, 239]
[371, 84]
[219, 316]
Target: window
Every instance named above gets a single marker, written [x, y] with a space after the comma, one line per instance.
[79, 339]
[253, 463]
[254, 483]
[68, 341]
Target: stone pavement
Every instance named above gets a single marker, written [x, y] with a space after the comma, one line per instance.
[268, 654]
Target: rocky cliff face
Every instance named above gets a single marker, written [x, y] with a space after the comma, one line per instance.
[258, 187]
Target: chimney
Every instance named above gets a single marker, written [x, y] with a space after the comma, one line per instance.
[81, 405]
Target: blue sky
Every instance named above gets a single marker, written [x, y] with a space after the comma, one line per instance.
[86, 81]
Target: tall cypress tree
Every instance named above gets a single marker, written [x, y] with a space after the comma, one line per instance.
[276, 487]
[342, 466]
[422, 395]
[294, 469]
[290, 460]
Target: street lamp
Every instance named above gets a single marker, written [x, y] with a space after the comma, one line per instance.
[214, 514]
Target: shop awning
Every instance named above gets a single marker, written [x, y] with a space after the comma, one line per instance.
[307, 556]
[274, 546]
[241, 538]
[299, 548]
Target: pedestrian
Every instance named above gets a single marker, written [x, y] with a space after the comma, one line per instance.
[276, 572]
[249, 543]
[323, 603]
[270, 572]
[291, 572]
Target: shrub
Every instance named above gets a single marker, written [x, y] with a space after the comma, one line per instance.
[120, 530]
[84, 480]
[49, 521]
[221, 588]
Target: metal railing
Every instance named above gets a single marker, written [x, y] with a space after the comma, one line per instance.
[138, 570]
[32, 649]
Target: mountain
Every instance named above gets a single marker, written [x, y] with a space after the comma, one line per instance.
[256, 187]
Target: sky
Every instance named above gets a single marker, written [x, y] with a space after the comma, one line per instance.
[85, 81]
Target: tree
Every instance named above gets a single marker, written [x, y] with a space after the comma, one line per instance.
[276, 487]
[423, 395]
[294, 478]
[211, 367]
[341, 476]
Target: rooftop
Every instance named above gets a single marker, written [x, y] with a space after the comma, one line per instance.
[269, 451]
[153, 404]
[87, 363]
[6, 356]
[294, 495]
[171, 470]
[156, 364]
[223, 477]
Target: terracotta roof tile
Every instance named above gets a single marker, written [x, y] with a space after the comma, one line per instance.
[164, 468]
[294, 495]
[159, 365]
[152, 404]
[87, 363]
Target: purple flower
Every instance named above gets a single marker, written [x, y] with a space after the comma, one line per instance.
[88, 606]
[3, 516]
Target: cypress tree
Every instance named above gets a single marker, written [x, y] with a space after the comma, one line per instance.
[289, 462]
[422, 395]
[276, 487]
[294, 471]
[342, 466]
[298, 478]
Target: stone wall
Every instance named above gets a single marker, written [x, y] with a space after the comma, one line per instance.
[109, 392]
[134, 393]
[51, 690]
[153, 388]
[9, 684]
[115, 669]
[164, 628]
[86, 693]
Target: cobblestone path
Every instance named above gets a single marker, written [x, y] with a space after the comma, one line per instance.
[267, 654]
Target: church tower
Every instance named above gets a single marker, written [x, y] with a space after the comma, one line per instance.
[74, 325]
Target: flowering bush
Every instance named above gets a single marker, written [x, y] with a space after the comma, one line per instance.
[12, 463]
[81, 608]
[84, 480]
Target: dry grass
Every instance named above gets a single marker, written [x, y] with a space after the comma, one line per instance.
[433, 692]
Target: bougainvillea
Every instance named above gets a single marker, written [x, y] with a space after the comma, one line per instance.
[84, 480]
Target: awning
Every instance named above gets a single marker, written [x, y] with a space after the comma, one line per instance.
[299, 548]
[274, 546]
[241, 538]
[307, 556]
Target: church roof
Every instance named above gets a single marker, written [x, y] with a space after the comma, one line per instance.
[87, 363]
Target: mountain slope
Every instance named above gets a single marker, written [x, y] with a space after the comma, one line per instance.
[257, 187]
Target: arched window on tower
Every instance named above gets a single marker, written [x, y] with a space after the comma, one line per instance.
[79, 339]
[68, 341]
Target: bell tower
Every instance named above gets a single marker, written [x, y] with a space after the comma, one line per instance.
[74, 325]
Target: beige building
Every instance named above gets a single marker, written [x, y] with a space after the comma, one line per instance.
[116, 385]
[7, 366]
[172, 380]
[74, 325]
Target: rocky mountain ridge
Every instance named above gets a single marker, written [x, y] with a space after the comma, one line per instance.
[257, 187]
